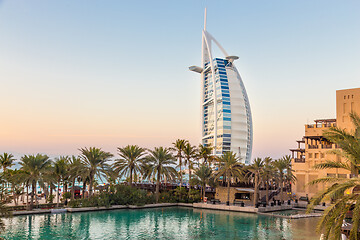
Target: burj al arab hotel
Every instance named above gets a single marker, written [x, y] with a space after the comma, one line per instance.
[226, 115]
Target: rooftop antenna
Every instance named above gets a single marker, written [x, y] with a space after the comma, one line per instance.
[205, 20]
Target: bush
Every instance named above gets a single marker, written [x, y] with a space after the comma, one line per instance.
[67, 195]
[50, 198]
[118, 195]
[127, 195]
[180, 195]
[168, 197]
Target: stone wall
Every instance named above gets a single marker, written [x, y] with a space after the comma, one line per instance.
[222, 194]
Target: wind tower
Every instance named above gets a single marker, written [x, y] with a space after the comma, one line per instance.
[226, 114]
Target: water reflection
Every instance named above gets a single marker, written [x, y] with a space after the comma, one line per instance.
[166, 223]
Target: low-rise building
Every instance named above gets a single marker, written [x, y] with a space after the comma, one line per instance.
[314, 148]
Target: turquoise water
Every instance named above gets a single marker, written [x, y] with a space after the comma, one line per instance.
[160, 223]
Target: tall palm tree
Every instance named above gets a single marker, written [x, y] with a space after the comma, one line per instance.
[190, 153]
[130, 162]
[34, 167]
[205, 152]
[289, 174]
[202, 177]
[268, 175]
[15, 178]
[6, 160]
[76, 169]
[255, 173]
[60, 172]
[341, 189]
[229, 167]
[95, 161]
[159, 163]
[281, 165]
[178, 147]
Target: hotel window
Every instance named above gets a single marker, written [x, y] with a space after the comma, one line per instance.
[316, 155]
[342, 175]
[344, 108]
[352, 107]
[322, 155]
[310, 155]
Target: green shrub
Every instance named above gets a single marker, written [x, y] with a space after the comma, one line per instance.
[50, 198]
[118, 195]
[67, 195]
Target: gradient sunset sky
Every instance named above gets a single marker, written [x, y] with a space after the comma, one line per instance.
[112, 73]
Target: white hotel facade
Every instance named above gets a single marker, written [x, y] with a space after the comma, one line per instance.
[226, 114]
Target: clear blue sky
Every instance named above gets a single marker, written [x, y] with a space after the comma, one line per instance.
[111, 73]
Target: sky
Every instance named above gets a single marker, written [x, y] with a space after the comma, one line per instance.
[110, 73]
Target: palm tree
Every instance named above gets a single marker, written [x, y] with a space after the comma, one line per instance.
[202, 177]
[131, 159]
[178, 147]
[15, 178]
[205, 152]
[190, 153]
[229, 167]
[281, 166]
[289, 175]
[267, 175]
[76, 169]
[34, 167]
[159, 164]
[95, 161]
[60, 172]
[255, 173]
[6, 160]
[341, 189]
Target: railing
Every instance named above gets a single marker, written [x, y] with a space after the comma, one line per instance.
[326, 146]
[299, 160]
[313, 146]
[321, 125]
[271, 195]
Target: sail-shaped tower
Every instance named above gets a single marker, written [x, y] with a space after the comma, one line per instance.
[226, 115]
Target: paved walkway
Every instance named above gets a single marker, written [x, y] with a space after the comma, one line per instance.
[22, 200]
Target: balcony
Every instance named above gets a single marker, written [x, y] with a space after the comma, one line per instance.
[313, 146]
[299, 160]
[326, 146]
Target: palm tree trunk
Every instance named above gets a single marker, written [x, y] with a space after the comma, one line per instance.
[180, 163]
[256, 190]
[91, 186]
[32, 195]
[51, 193]
[157, 189]
[267, 191]
[27, 195]
[73, 189]
[281, 191]
[228, 191]
[203, 192]
[83, 189]
[58, 194]
[189, 179]
[131, 176]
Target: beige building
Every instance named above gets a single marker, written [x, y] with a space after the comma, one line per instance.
[314, 148]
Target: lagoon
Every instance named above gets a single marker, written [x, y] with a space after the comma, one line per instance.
[158, 223]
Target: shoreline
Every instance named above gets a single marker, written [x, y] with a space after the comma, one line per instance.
[268, 211]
